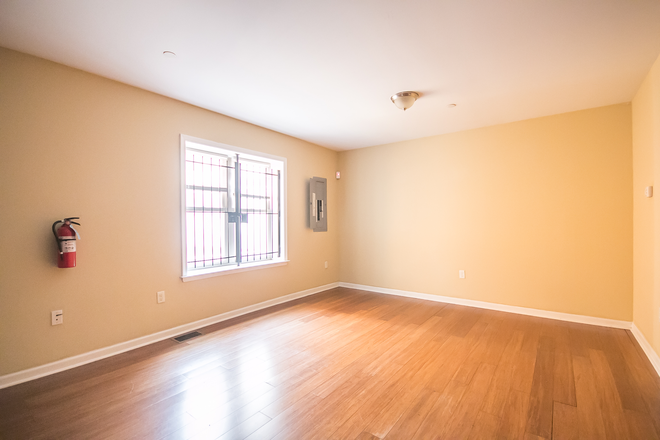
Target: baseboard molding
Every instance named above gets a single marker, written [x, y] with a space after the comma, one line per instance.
[102, 353]
[603, 322]
[650, 352]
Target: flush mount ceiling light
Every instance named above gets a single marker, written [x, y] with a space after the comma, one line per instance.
[404, 100]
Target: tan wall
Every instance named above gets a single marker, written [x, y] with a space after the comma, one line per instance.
[646, 232]
[537, 212]
[75, 144]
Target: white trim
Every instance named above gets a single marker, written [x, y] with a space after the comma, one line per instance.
[648, 350]
[102, 353]
[603, 322]
[218, 272]
[182, 208]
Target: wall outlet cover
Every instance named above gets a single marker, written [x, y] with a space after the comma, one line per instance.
[56, 317]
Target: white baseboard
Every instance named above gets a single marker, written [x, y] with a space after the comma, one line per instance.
[102, 353]
[650, 352]
[582, 319]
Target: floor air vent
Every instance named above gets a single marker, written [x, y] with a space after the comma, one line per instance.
[187, 336]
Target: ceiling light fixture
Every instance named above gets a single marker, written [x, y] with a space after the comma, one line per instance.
[405, 100]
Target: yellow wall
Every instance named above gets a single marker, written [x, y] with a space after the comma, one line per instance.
[75, 144]
[646, 165]
[537, 212]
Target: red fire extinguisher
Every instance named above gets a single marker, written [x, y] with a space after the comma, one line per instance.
[66, 242]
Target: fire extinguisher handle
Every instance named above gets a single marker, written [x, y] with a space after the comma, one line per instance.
[70, 220]
[59, 244]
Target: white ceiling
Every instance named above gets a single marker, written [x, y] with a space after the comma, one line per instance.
[324, 71]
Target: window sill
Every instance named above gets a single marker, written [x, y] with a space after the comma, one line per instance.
[199, 275]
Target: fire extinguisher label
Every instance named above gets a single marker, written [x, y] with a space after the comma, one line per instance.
[68, 246]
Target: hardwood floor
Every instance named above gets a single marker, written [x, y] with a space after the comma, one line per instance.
[348, 364]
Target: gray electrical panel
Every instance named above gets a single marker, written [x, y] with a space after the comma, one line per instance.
[318, 204]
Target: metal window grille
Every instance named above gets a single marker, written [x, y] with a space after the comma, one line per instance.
[232, 209]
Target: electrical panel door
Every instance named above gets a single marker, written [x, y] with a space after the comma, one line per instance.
[318, 204]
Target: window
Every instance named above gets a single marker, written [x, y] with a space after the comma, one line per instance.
[233, 208]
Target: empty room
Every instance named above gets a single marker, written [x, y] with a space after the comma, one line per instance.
[329, 220]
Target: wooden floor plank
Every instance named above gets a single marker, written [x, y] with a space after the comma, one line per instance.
[308, 421]
[498, 393]
[629, 393]
[479, 354]
[339, 406]
[640, 426]
[246, 428]
[349, 364]
[387, 418]
[514, 419]
[485, 426]
[468, 320]
[441, 412]
[614, 419]
[407, 425]
[464, 416]
[523, 369]
[458, 351]
[564, 379]
[590, 417]
[565, 422]
[382, 399]
[539, 421]
[642, 375]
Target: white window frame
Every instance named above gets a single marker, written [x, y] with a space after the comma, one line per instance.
[212, 147]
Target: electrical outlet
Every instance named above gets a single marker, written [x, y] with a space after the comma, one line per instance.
[161, 296]
[56, 317]
[461, 273]
[326, 264]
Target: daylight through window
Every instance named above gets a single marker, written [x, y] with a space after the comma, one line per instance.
[233, 208]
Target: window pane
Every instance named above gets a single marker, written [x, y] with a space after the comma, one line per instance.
[206, 210]
[259, 238]
[213, 198]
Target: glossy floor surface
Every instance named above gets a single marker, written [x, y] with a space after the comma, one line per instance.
[347, 364]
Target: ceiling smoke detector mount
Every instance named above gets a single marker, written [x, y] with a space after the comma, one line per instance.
[405, 100]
